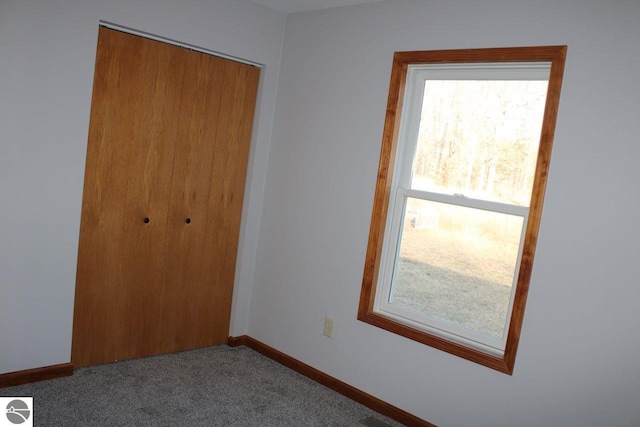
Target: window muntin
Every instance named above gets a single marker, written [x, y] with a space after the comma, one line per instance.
[416, 203]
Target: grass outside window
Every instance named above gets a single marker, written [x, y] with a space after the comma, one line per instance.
[461, 180]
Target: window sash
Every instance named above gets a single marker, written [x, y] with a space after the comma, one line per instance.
[461, 200]
[387, 184]
[391, 255]
[417, 75]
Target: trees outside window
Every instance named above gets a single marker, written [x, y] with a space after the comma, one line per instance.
[461, 180]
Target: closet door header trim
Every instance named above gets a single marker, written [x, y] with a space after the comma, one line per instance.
[177, 43]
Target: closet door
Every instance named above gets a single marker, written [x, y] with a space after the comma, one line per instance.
[228, 175]
[167, 157]
[212, 149]
[134, 117]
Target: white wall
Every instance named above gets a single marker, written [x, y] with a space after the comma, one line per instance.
[47, 53]
[577, 363]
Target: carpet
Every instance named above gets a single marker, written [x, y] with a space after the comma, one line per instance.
[214, 386]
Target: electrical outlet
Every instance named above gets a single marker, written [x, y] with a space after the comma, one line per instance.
[328, 327]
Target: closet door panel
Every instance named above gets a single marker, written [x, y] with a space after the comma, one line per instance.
[134, 114]
[183, 277]
[228, 175]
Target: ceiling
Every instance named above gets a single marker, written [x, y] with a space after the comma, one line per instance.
[292, 6]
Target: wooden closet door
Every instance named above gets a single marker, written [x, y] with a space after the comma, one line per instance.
[228, 175]
[214, 136]
[134, 117]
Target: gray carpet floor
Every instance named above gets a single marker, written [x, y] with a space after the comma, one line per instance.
[215, 386]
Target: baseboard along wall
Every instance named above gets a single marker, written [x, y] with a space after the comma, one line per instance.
[66, 369]
[34, 375]
[326, 380]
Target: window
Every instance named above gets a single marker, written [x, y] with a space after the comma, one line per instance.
[463, 166]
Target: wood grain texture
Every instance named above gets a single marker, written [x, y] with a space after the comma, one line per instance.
[134, 114]
[326, 380]
[556, 56]
[169, 140]
[12, 379]
[228, 172]
[383, 185]
[214, 136]
[183, 260]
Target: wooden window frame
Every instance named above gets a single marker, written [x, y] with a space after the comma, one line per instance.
[555, 55]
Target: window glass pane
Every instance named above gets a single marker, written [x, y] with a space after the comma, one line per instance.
[457, 264]
[479, 138]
